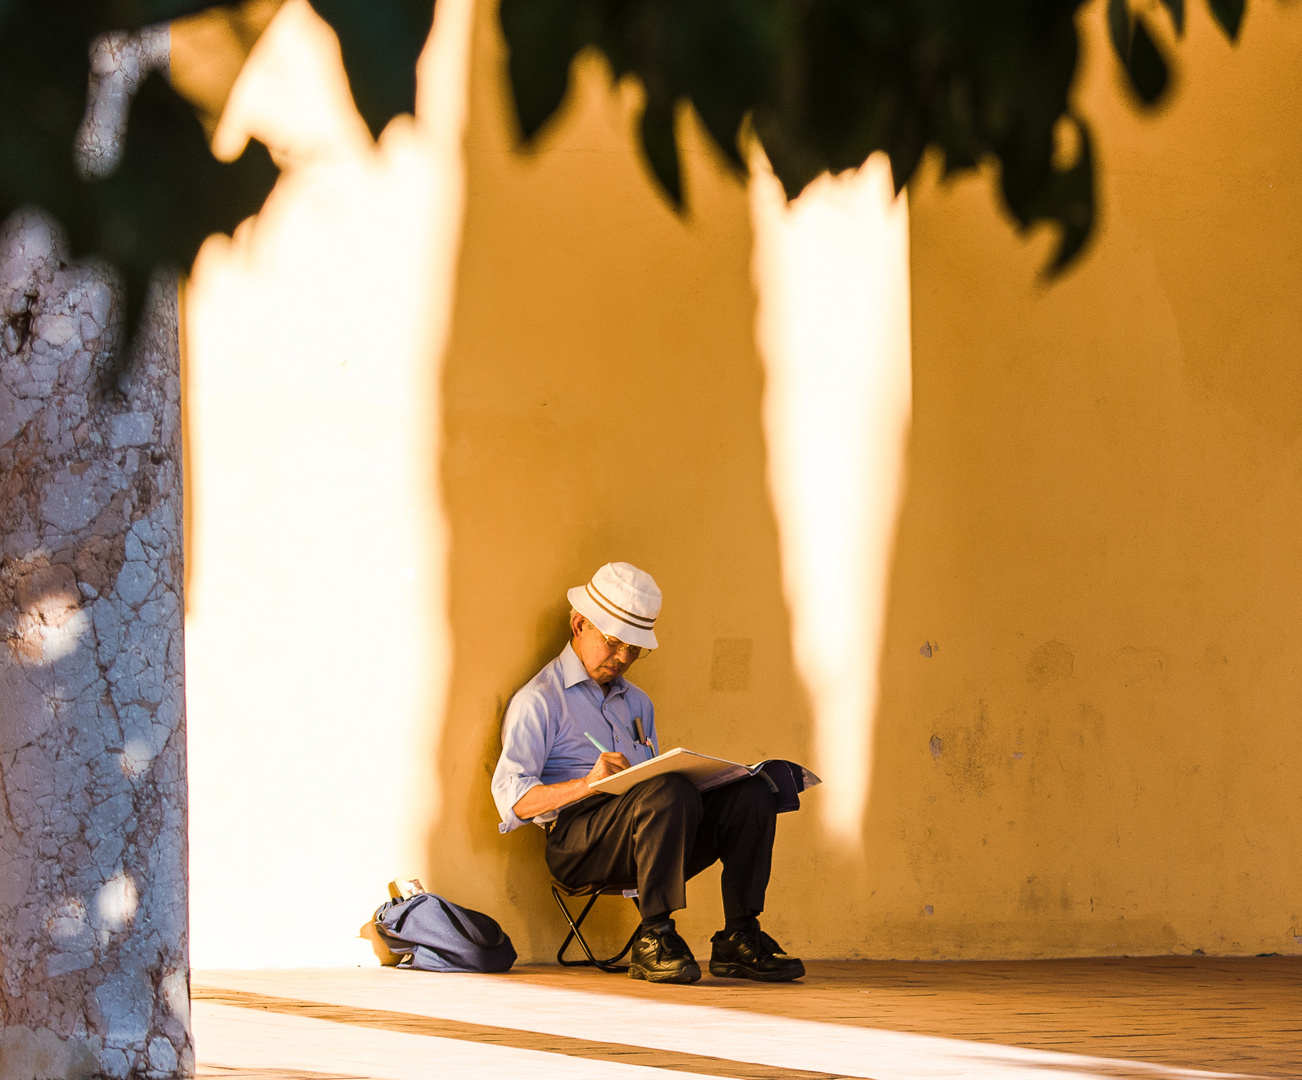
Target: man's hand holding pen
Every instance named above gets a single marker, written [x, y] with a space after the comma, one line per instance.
[607, 765]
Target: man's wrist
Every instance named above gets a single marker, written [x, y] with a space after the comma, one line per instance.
[570, 791]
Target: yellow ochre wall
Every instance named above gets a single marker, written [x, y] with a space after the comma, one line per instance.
[1100, 542]
[1083, 738]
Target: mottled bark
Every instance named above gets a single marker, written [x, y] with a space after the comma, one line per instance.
[93, 919]
[118, 65]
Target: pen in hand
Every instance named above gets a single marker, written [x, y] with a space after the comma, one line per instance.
[607, 765]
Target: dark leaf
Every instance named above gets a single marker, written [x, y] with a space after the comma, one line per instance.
[794, 165]
[720, 56]
[169, 194]
[906, 150]
[661, 149]
[1229, 13]
[1067, 199]
[541, 39]
[133, 14]
[380, 43]
[1119, 29]
[723, 124]
[1148, 71]
[44, 68]
[1176, 10]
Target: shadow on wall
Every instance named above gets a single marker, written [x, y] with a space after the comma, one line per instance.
[602, 400]
[1089, 669]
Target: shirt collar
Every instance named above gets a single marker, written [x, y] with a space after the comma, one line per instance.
[573, 672]
[572, 669]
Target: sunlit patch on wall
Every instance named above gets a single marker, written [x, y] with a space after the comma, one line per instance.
[832, 275]
[317, 639]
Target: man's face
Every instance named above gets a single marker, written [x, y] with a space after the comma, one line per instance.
[602, 660]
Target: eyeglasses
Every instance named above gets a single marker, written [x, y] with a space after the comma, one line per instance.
[615, 645]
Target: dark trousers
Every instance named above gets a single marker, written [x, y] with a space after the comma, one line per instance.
[663, 831]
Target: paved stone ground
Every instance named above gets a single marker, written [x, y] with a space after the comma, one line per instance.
[1171, 1018]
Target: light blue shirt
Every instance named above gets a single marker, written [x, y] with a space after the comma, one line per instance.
[544, 734]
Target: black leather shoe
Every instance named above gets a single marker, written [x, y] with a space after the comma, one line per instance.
[662, 956]
[752, 954]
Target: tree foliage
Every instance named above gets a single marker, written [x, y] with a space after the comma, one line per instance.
[825, 83]
[168, 193]
[822, 84]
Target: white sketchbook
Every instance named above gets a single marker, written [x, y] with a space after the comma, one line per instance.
[708, 772]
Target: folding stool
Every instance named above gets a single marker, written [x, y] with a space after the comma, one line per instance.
[575, 934]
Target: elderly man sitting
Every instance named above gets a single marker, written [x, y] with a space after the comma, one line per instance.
[660, 832]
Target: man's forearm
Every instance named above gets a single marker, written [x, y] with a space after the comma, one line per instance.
[543, 797]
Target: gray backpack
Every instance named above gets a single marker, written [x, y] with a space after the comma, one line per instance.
[434, 934]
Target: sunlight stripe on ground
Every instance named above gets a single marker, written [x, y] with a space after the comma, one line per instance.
[241, 1043]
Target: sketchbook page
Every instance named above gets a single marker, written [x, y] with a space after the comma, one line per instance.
[699, 768]
[620, 782]
[722, 776]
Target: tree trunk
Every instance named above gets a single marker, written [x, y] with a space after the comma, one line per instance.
[93, 901]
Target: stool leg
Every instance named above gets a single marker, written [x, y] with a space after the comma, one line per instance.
[575, 934]
[628, 945]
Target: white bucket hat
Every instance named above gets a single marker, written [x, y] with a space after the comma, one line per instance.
[621, 601]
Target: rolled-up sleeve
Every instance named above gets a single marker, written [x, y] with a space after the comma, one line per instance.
[526, 741]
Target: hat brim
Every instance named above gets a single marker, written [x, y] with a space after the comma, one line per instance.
[609, 624]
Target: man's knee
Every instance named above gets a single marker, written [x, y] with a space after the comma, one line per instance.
[752, 797]
[668, 791]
